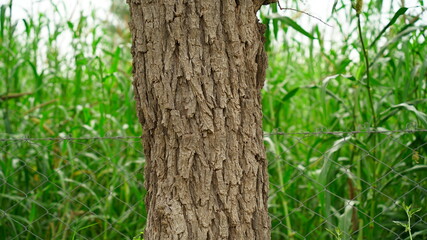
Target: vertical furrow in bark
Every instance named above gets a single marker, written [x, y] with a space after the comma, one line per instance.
[198, 70]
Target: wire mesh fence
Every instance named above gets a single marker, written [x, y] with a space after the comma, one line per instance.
[323, 185]
[348, 185]
[71, 188]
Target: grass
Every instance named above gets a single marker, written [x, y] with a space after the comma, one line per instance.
[325, 186]
[77, 188]
[317, 179]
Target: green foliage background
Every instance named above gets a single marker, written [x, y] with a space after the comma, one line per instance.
[91, 188]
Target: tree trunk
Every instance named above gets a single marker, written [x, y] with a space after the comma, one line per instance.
[198, 69]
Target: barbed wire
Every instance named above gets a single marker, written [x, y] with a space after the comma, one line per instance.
[346, 132]
[27, 139]
[266, 134]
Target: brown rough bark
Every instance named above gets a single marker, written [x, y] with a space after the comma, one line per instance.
[198, 69]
